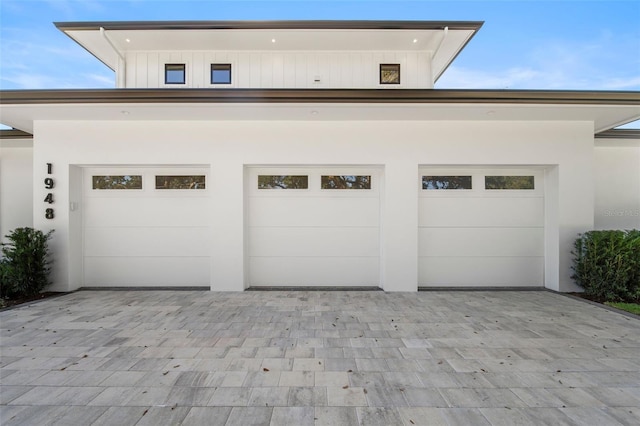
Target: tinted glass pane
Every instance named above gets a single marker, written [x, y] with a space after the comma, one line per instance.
[346, 182]
[174, 73]
[117, 182]
[221, 73]
[180, 182]
[446, 182]
[509, 182]
[283, 182]
[389, 73]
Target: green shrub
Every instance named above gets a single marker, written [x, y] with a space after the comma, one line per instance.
[606, 265]
[24, 270]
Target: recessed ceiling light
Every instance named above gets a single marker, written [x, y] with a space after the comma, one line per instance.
[415, 40]
[128, 40]
[314, 112]
[273, 40]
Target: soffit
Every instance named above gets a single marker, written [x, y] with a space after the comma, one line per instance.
[20, 109]
[302, 36]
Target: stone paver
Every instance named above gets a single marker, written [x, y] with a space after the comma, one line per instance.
[318, 358]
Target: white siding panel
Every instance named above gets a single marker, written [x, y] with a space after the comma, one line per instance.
[286, 69]
[255, 70]
[142, 65]
[160, 211]
[289, 71]
[302, 77]
[314, 271]
[243, 71]
[478, 212]
[277, 79]
[314, 211]
[347, 242]
[199, 71]
[146, 271]
[153, 67]
[266, 70]
[481, 271]
[148, 241]
[481, 241]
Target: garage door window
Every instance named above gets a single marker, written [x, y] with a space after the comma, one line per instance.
[117, 182]
[180, 182]
[283, 182]
[345, 182]
[509, 182]
[446, 182]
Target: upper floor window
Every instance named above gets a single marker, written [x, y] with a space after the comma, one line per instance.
[389, 73]
[174, 73]
[220, 73]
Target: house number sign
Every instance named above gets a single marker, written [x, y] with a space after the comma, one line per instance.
[49, 184]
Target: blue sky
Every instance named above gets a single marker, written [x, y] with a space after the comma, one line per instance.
[562, 44]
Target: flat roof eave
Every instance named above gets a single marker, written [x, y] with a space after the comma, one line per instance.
[452, 96]
[270, 24]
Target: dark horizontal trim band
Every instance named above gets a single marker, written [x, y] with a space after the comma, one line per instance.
[150, 288]
[427, 96]
[619, 134]
[314, 288]
[269, 25]
[482, 288]
[15, 134]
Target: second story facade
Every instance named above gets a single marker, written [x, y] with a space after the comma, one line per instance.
[275, 54]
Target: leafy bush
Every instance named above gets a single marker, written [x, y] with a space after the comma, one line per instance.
[24, 269]
[607, 265]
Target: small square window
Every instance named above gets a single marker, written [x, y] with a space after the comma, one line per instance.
[174, 73]
[220, 73]
[389, 73]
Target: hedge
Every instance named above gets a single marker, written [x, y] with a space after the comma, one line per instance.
[24, 268]
[606, 265]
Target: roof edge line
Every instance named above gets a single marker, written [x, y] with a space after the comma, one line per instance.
[268, 25]
[67, 96]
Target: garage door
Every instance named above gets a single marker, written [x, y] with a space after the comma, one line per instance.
[146, 227]
[481, 227]
[313, 226]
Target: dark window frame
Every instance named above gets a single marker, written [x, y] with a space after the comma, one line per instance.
[183, 69]
[390, 67]
[221, 67]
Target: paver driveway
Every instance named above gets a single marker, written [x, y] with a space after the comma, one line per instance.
[318, 357]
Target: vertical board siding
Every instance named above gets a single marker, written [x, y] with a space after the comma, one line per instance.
[281, 69]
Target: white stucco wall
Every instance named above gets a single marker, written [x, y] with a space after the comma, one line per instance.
[617, 183]
[16, 185]
[565, 148]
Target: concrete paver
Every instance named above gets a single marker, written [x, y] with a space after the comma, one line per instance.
[318, 357]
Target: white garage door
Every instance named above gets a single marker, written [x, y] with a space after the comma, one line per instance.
[313, 227]
[146, 227]
[481, 227]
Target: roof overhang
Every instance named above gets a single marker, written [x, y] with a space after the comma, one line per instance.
[305, 36]
[20, 109]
